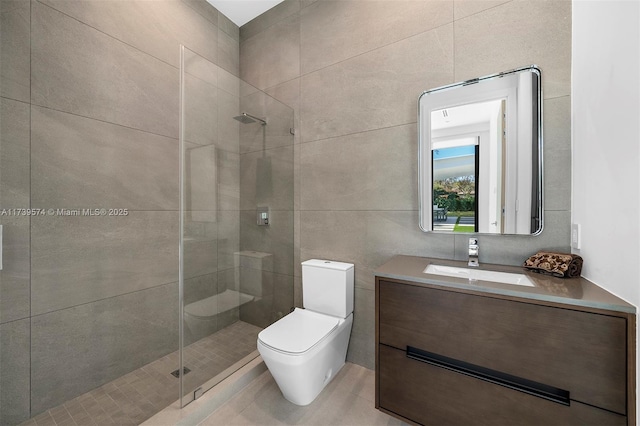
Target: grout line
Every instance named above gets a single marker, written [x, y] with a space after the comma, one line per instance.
[104, 121]
[359, 132]
[377, 48]
[106, 34]
[17, 100]
[482, 11]
[106, 298]
[215, 144]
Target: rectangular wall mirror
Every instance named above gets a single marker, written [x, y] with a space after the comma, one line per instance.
[480, 154]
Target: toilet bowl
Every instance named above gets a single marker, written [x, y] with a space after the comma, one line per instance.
[307, 355]
[305, 349]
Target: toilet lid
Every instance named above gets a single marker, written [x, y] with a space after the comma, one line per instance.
[298, 331]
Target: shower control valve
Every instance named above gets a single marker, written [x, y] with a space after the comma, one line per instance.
[263, 216]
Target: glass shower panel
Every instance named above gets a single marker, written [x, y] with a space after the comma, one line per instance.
[229, 289]
[266, 186]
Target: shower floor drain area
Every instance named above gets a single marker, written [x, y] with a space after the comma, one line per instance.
[176, 373]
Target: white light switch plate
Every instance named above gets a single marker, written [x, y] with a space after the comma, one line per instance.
[575, 236]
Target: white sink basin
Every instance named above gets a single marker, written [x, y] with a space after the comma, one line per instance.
[479, 274]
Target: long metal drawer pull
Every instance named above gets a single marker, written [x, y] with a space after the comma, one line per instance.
[530, 387]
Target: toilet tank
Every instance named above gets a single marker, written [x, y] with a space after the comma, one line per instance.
[327, 287]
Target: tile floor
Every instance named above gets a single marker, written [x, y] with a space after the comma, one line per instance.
[210, 356]
[137, 396]
[347, 401]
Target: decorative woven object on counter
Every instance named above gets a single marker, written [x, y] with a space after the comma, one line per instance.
[563, 265]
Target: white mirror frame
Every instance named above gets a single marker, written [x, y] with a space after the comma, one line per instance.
[504, 85]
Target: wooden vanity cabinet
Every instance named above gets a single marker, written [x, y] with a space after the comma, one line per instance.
[457, 357]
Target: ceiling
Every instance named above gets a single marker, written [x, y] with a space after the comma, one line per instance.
[242, 11]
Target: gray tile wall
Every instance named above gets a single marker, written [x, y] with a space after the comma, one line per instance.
[353, 71]
[14, 369]
[89, 119]
[97, 342]
[15, 116]
[15, 49]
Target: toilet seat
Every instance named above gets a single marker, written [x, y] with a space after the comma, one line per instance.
[298, 332]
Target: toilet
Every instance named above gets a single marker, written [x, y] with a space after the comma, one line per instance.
[305, 349]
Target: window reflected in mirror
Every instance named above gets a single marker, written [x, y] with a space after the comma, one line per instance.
[455, 177]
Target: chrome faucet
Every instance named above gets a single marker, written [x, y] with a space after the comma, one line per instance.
[474, 248]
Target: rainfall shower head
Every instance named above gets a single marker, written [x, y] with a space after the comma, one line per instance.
[245, 118]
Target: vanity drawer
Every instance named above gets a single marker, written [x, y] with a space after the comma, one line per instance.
[580, 352]
[432, 395]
